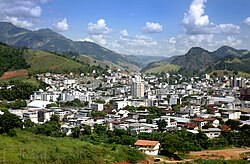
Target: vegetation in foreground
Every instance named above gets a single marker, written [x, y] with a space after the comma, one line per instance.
[45, 143]
[26, 147]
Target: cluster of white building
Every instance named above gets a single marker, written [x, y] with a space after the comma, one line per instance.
[219, 97]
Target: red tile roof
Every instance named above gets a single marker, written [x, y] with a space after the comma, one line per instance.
[190, 125]
[146, 143]
[198, 119]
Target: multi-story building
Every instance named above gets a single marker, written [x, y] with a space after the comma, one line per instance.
[137, 87]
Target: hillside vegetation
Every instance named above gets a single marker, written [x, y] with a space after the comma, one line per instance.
[198, 61]
[158, 67]
[11, 59]
[29, 148]
[49, 40]
[41, 61]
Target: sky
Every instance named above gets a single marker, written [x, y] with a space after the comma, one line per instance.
[138, 27]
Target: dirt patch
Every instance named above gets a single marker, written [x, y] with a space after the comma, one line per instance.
[226, 154]
[10, 74]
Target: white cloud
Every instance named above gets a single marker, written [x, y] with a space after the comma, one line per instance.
[138, 41]
[196, 22]
[99, 28]
[172, 40]
[18, 22]
[196, 15]
[247, 21]
[227, 28]
[36, 11]
[86, 40]
[61, 25]
[137, 45]
[124, 33]
[23, 13]
[152, 27]
[99, 39]
[231, 41]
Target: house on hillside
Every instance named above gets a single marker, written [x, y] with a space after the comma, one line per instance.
[148, 147]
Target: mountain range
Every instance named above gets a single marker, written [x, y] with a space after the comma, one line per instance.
[49, 40]
[198, 60]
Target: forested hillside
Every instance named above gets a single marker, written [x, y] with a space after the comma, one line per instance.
[11, 58]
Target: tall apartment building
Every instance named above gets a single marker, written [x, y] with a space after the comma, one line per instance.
[137, 87]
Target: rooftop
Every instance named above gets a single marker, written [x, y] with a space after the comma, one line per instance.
[146, 143]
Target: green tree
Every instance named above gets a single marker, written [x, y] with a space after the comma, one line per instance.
[76, 132]
[161, 125]
[99, 129]
[234, 124]
[9, 121]
[86, 130]
[176, 107]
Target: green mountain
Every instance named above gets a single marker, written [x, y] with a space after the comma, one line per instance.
[198, 60]
[47, 39]
[225, 51]
[18, 63]
[240, 64]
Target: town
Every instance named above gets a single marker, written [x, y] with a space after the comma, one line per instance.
[140, 103]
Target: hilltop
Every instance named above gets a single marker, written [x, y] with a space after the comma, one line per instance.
[49, 40]
[198, 60]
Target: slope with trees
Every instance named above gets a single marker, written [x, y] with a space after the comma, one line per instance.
[11, 58]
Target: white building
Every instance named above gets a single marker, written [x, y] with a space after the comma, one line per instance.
[148, 147]
[232, 115]
[212, 132]
[121, 104]
[173, 99]
[38, 104]
[137, 87]
[31, 115]
[96, 106]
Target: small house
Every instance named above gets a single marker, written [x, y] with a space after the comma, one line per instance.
[148, 147]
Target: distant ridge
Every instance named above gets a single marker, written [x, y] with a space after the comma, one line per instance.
[198, 60]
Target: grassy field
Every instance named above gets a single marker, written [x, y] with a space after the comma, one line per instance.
[30, 148]
[163, 67]
[41, 61]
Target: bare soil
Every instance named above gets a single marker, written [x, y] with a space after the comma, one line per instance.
[226, 154]
[16, 73]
